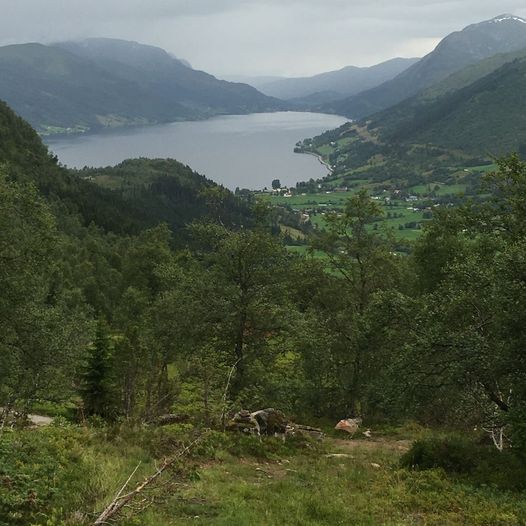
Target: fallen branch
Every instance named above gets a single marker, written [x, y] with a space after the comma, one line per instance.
[120, 501]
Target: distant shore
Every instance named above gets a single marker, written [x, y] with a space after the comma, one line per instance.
[320, 159]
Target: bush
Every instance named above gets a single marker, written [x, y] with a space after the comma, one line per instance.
[41, 473]
[453, 454]
[475, 463]
[506, 470]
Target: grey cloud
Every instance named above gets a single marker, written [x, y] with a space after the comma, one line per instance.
[256, 36]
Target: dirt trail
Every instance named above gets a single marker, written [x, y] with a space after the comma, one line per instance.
[40, 420]
[400, 446]
[36, 420]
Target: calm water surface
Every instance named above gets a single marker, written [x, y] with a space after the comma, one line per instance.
[241, 150]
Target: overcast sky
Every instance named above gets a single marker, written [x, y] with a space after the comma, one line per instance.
[256, 37]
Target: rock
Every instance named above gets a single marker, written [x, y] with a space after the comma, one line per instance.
[39, 420]
[338, 455]
[271, 421]
[16, 419]
[350, 425]
[243, 422]
[298, 430]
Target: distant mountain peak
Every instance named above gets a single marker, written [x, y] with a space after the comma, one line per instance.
[503, 34]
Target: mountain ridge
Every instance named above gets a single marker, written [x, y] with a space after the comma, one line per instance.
[339, 83]
[150, 191]
[459, 49]
[100, 83]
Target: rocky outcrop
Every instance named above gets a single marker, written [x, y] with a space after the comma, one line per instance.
[270, 422]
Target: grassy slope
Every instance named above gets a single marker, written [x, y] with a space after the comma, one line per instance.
[240, 481]
[471, 112]
[487, 116]
[471, 74]
[316, 490]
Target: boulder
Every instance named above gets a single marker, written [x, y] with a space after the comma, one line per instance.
[243, 422]
[271, 421]
[301, 431]
[349, 425]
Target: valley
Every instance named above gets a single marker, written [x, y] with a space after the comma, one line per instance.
[407, 203]
[219, 307]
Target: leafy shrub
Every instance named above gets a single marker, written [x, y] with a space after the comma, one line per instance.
[41, 472]
[506, 470]
[453, 454]
[478, 464]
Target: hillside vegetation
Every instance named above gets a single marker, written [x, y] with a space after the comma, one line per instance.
[503, 34]
[163, 190]
[437, 136]
[486, 117]
[172, 353]
[429, 150]
[114, 324]
[335, 85]
[101, 83]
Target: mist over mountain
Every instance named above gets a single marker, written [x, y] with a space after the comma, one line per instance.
[335, 85]
[99, 83]
[503, 34]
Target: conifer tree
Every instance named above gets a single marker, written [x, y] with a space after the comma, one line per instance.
[97, 384]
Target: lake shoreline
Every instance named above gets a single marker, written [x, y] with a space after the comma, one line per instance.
[245, 151]
[320, 159]
[109, 130]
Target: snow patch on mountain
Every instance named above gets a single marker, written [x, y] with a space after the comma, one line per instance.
[505, 18]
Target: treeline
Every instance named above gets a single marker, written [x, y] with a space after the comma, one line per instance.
[122, 319]
[131, 327]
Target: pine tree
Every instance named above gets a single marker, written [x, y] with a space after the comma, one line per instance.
[97, 385]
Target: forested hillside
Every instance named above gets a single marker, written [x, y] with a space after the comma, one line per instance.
[445, 135]
[503, 34]
[101, 83]
[112, 328]
[126, 199]
[487, 116]
[335, 85]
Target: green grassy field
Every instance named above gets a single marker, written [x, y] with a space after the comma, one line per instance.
[486, 168]
[360, 484]
[443, 190]
[326, 202]
[407, 225]
[73, 473]
[310, 200]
